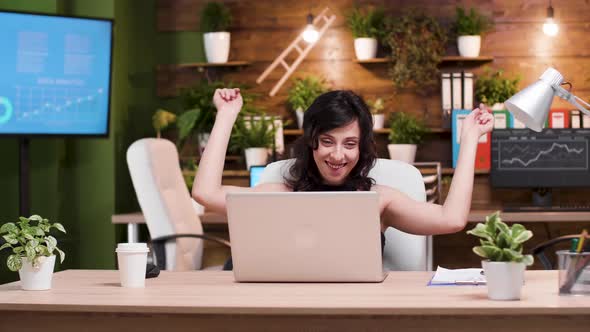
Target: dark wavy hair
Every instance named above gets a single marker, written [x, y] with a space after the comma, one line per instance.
[329, 111]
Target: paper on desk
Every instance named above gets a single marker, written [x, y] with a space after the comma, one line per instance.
[471, 276]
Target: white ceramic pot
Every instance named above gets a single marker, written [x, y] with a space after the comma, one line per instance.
[469, 46]
[37, 278]
[216, 46]
[299, 113]
[256, 157]
[402, 152]
[504, 279]
[378, 121]
[498, 107]
[365, 48]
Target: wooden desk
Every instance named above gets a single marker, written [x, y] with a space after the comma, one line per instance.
[211, 301]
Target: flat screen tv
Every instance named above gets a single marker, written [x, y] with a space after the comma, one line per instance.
[55, 75]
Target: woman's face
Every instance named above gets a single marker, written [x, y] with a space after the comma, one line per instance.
[337, 153]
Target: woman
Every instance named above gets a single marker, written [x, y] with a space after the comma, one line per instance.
[336, 152]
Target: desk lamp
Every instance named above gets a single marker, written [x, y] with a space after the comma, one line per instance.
[531, 105]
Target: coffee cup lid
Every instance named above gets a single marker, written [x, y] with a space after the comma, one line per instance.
[134, 247]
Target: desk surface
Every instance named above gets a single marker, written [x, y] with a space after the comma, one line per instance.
[208, 292]
[209, 218]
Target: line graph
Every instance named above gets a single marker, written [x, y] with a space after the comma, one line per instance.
[543, 154]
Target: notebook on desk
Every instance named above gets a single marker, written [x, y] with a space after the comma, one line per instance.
[305, 236]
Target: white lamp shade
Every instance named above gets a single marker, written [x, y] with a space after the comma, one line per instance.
[531, 105]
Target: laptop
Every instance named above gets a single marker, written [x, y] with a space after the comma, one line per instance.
[305, 236]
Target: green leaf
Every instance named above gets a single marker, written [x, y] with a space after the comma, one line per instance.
[23, 220]
[523, 236]
[30, 252]
[489, 252]
[504, 240]
[502, 226]
[10, 238]
[6, 245]
[480, 230]
[528, 260]
[62, 255]
[51, 243]
[14, 262]
[38, 231]
[59, 227]
[8, 227]
[18, 250]
[511, 255]
[186, 122]
[36, 218]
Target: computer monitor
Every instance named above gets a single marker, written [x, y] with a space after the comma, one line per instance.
[255, 172]
[56, 74]
[553, 158]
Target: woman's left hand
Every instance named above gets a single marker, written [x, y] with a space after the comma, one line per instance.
[479, 122]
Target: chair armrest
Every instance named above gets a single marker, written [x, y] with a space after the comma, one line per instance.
[163, 239]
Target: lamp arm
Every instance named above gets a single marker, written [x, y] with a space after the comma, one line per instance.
[572, 99]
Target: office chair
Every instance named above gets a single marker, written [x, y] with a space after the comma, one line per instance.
[539, 250]
[403, 251]
[170, 213]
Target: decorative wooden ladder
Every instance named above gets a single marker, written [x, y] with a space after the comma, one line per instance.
[294, 46]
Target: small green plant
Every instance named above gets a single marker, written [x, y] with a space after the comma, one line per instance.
[472, 24]
[367, 23]
[492, 87]
[253, 132]
[406, 129]
[500, 243]
[305, 91]
[376, 106]
[161, 120]
[29, 238]
[215, 17]
[417, 43]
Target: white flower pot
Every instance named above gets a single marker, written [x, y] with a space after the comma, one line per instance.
[256, 157]
[498, 107]
[365, 48]
[469, 46]
[299, 113]
[216, 46]
[504, 279]
[402, 152]
[38, 278]
[378, 121]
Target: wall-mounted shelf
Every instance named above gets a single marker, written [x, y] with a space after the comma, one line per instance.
[299, 132]
[202, 65]
[445, 59]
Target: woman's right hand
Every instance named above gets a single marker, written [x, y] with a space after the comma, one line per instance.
[228, 101]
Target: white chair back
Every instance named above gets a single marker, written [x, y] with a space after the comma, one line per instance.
[403, 251]
[165, 201]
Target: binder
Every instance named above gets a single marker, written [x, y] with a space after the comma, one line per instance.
[558, 118]
[457, 90]
[585, 121]
[483, 153]
[467, 91]
[502, 119]
[575, 119]
[446, 99]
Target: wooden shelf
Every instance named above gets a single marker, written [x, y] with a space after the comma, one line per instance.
[445, 59]
[226, 173]
[202, 65]
[298, 132]
[451, 171]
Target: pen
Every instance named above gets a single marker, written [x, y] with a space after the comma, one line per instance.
[581, 240]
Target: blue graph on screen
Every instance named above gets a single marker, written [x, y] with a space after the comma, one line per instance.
[55, 75]
[543, 154]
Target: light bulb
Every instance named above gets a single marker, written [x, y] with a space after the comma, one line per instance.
[550, 28]
[310, 34]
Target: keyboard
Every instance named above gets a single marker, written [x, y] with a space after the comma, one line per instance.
[557, 208]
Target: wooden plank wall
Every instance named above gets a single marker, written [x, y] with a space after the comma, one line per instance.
[262, 28]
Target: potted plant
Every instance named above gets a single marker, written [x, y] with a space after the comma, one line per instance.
[493, 89]
[406, 133]
[303, 93]
[33, 250]
[417, 42]
[255, 136]
[376, 107]
[504, 263]
[161, 120]
[215, 21]
[367, 26]
[469, 28]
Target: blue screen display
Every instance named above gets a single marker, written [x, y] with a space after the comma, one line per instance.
[255, 172]
[55, 75]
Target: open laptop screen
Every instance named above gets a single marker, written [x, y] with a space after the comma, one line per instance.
[255, 172]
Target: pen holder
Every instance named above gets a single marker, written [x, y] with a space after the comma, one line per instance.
[574, 272]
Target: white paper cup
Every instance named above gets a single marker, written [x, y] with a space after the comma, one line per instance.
[132, 259]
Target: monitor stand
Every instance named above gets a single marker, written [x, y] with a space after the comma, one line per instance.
[541, 199]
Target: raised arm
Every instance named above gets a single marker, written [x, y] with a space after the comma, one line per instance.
[425, 218]
[207, 188]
